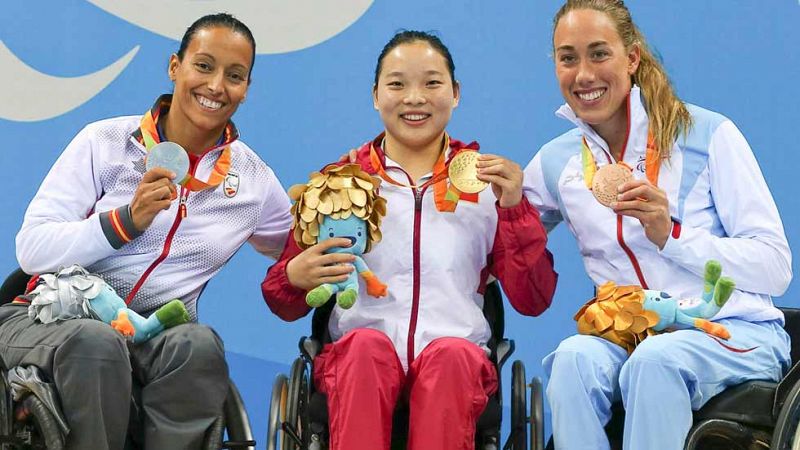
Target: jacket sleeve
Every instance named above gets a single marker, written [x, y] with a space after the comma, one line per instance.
[275, 220]
[520, 260]
[749, 240]
[283, 299]
[60, 227]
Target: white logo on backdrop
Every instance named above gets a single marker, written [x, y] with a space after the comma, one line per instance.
[29, 95]
[279, 26]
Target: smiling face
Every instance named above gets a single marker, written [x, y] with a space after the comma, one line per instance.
[415, 95]
[594, 68]
[211, 80]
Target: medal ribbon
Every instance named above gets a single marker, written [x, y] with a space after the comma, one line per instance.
[150, 137]
[445, 196]
[652, 164]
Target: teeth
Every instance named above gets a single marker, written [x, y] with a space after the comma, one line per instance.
[415, 116]
[211, 104]
[592, 95]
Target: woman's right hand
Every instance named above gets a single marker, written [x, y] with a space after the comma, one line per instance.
[154, 194]
[314, 267]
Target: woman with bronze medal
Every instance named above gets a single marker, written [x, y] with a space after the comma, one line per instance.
[109, 205]
[652, 188]
[425, 342]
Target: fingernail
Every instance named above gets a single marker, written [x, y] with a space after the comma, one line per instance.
[613, 205]
[619, 197]
[173, 175]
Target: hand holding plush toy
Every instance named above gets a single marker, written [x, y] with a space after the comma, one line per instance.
[626, 315]
[73, 293]
[340, 202]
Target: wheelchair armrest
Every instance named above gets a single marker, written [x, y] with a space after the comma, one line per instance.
[784, 386]
[503, 351]
[309, 348]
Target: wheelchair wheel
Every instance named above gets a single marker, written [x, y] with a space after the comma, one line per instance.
[519, 407]
[277, 412]
[295, 425]
[237, 423]
[720, 434]
[786, 435]
[537, 414]
[37, 428]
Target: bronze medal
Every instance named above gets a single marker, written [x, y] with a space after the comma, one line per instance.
[607, 180]
[463, 173]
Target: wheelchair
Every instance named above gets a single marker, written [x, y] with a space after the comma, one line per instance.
[35, 420]
[755, 415]
[298, 413]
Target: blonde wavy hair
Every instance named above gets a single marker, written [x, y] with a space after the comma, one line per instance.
[338, 192]
[668, 116]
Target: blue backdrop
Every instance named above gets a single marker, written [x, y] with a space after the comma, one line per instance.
[65, 63]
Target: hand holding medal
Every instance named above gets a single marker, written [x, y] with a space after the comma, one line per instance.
[504, 175]
[170, 156]
[607, 180]
[463, 173]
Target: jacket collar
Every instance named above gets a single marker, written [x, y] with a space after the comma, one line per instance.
[153, 128]
[637, 126]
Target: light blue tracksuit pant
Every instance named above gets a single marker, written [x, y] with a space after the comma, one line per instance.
[665, 378]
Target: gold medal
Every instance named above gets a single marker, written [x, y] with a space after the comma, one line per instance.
[607, 180]
[463, 173]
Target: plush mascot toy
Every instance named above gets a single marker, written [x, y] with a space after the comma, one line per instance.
[73, 293]
[340, 202]
[626, 315]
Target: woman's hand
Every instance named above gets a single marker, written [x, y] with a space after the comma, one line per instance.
[314, 267]
[350, 157]
[154, 194]
[505, 177]
[647, 203]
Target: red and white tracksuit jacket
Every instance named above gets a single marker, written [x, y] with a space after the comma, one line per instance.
[435, 264]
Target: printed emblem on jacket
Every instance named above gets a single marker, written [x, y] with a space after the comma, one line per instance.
[231, 184]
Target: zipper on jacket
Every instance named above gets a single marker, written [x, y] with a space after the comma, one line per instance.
[412, 326]
[620, 237]
[167, 244]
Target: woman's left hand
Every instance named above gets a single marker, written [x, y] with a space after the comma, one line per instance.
[505, 177]
[647, 203]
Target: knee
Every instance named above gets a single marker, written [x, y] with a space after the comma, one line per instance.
[365, 341]
[366, 347]
[653, 355]
[196, 346]
[582, 362]
[454, 352]
[93, 343]
[455, 360]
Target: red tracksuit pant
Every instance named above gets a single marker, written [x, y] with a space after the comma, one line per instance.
[447, 387]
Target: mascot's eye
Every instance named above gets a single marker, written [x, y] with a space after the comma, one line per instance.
[359, 234]
[330, 234]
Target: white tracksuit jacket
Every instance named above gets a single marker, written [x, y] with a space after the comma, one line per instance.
[100, 170]
[719, 201]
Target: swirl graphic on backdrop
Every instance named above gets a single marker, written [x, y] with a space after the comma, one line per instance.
[29, 95]
[279, 26]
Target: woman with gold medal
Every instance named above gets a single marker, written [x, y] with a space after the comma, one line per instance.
[425, 342]
[652, 188]
[107, 207]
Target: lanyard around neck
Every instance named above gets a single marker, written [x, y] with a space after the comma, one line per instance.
[652, 162]
[150, 137]
[445, 196]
